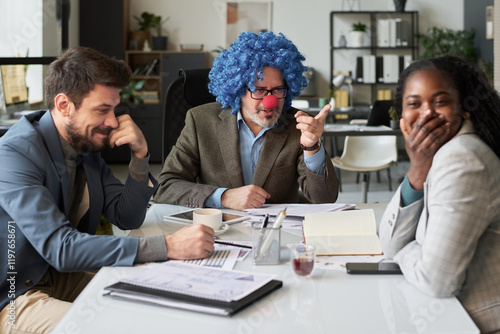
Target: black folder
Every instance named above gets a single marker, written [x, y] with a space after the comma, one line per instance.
[171, 299]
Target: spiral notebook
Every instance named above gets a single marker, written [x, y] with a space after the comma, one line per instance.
[195, 288]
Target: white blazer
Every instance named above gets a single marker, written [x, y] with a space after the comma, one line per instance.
[448, 243]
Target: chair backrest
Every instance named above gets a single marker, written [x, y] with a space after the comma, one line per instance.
[370, 151]
[379, 115]
[189, 90]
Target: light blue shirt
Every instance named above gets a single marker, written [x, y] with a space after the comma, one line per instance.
[250, 147]
[408, 194]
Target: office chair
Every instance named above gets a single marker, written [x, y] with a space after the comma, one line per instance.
[379, 115]
[365, 154]
[189, 90]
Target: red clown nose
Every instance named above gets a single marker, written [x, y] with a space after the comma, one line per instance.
[270, 102]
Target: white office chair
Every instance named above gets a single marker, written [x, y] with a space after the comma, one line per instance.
[365, 154]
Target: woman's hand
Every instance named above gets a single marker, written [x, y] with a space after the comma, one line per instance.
[423, 139]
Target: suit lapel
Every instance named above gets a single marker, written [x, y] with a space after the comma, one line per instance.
[274, 141]
[227, 137]
[53, 145]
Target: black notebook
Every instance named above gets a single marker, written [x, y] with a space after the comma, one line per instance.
[195, 288]
[164, 298]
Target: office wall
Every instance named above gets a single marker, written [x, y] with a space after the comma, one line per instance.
[306, 23]
[475, 18]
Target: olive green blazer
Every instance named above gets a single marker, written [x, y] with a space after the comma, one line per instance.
[206, 157]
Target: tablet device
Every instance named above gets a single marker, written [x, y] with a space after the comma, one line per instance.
[187, 217]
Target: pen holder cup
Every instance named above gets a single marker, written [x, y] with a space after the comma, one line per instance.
[266, 244]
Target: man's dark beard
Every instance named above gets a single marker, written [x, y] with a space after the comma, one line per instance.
[84, 144]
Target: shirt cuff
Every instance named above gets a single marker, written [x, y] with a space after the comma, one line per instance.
[214, 200]
[408, 194]
[151, 249]
[316, 162]
[139, 169]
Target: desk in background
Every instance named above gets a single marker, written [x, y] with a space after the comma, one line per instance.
[328, 302]
[311, 106]
[340, 130]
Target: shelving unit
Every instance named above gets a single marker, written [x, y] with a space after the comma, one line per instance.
[344, 58]
[159, 69]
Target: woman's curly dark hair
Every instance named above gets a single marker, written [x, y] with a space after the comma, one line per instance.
[240, 65]
[477, 96]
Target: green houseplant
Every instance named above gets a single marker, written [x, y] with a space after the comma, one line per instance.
[442, 41]
[439, 42]
[359, 26]
[130, 94]
[357, 34]
[147, 21]
[159, 41]
[394, 118]
[138, 37]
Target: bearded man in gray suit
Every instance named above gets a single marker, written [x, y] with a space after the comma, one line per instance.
[250, 147]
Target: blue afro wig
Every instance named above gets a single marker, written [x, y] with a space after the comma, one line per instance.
[240, 65]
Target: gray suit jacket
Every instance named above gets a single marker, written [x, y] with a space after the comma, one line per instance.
[34, 197]
[448, 243]
[206, 157]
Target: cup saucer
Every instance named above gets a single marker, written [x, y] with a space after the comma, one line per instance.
[223, 228]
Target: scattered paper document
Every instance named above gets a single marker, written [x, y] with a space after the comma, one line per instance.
[236, 245]
[298, 210]
[219, 258]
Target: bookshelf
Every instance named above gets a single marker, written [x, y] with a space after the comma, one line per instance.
[390, 40]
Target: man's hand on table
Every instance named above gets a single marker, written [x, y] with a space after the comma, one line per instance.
[190, 242]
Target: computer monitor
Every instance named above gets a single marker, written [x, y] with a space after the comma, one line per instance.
[379, 115]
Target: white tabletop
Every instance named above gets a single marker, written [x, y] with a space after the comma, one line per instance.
[327, 302]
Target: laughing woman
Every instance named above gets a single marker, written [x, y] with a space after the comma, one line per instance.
[443, 224]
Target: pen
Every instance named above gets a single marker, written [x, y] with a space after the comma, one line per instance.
[231, 244]
[266, 221]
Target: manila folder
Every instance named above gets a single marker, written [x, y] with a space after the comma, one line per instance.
[352, 232]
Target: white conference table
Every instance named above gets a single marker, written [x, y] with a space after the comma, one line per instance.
[327, 302]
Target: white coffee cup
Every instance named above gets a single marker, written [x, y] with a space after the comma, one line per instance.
[209, 217]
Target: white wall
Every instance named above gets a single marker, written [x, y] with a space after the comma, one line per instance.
[306, 23]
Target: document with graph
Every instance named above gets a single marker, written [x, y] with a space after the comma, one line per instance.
[194, 287]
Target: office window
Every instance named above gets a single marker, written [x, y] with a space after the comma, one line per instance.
[31, 29]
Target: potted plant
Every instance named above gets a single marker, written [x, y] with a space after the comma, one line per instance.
[159, 41]
[138, 37]
[130, 94]
[439, 42]
[394, 118]
[399, 5]
[357, 34]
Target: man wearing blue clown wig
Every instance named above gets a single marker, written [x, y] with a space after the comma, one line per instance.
[250, 147]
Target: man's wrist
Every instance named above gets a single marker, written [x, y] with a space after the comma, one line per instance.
[311, 148]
